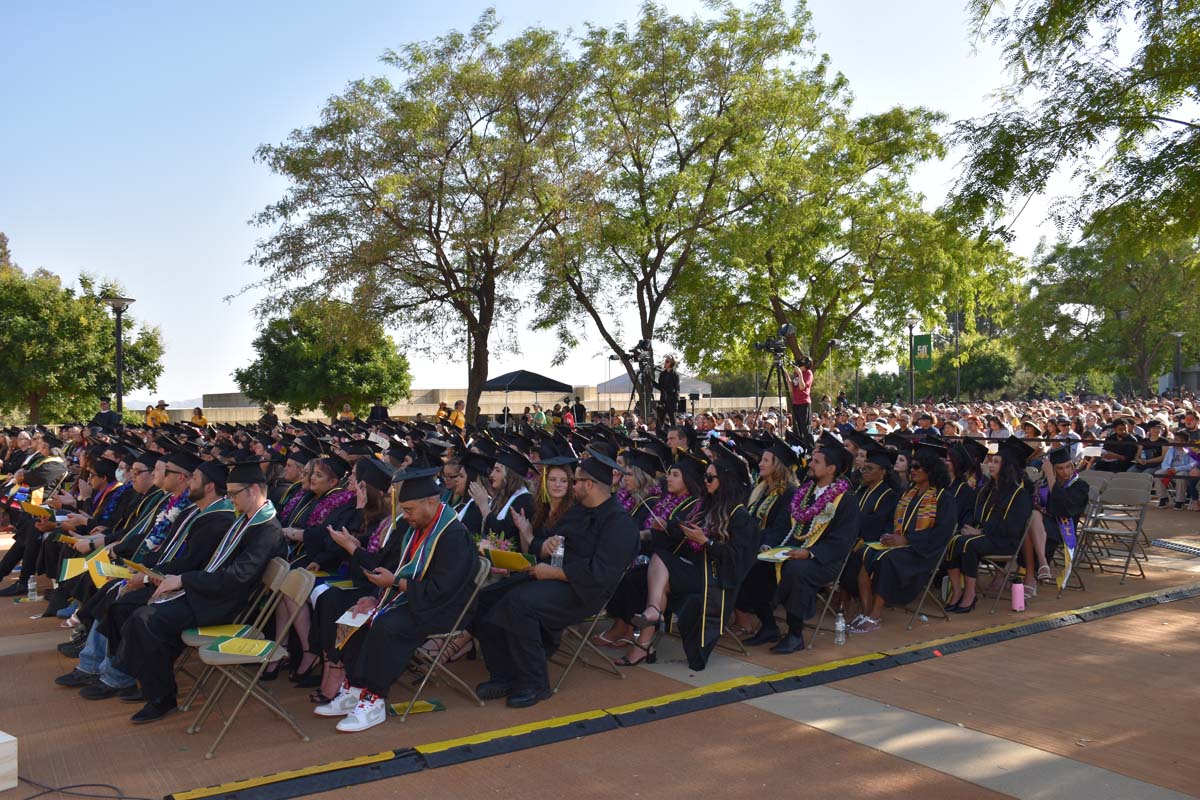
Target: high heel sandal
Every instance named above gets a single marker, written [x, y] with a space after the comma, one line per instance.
[960, 609]
[951, 607]
[642, 621]
[651, 655]
[303, 678]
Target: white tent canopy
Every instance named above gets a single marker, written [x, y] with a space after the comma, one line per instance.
[621, 385]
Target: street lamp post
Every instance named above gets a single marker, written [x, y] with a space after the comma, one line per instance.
[118, 305]
[1178, 363]
[912, 373]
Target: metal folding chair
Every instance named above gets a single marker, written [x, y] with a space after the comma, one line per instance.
[995, 562]
[830, 592]
[582, 640]
[927, 593]
[1117, 530]
[245, 668]
[436, 663]
[248, 624]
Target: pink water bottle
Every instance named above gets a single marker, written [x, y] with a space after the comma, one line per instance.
[1018, 596]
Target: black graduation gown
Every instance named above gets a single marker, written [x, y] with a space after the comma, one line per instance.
[898, 574]
[1004, 518]
[964, 501]
[319, 546]
[471, 519]
[724, 565]
[1067, 503]
[876, 507]
[507, 527]
[801, 579]
[150, 639]
[630, 597]
[433, 604]
[514, 632]
[774, 516]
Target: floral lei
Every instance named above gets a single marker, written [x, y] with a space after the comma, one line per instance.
[335, 499]
[292, 503]
[667, 504]
[629, 502]
[165, 517]
[805, 514]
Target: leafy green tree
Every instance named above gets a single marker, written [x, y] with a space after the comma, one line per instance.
[322, 356]
[677, 117]
[1123, 121]
[1111, 301]
[419, 200]
[59, 345]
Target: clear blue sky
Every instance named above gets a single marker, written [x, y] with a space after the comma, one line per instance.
[129, 132]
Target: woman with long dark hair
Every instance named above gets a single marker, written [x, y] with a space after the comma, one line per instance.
[998, 528]
[680, 504]
[895, 570]
[965, 476]
[710, 556]
[510, 493]
[465, 478]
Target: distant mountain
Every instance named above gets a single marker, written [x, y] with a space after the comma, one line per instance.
[140, 403]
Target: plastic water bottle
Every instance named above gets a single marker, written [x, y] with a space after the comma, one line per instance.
[839, 629]
[32, 594]
[556, 560]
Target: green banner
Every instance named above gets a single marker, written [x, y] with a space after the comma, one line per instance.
[923, 352]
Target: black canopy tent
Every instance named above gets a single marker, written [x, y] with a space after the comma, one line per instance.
[524, 381]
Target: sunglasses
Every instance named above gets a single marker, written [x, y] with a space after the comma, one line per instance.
[710, 478]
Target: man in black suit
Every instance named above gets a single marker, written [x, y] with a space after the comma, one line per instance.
[105, 418]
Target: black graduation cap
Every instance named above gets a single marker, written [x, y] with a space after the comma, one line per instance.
[1060, 455]
[486, 445]
[930, 445]
[691, 465]
[900, 441]
[827, 439]
[336, 464]
[885, 459]
[838, 455]
[416, 484]
[375, 473]
[522, 443]
[600, 466]
[214, 472]
[148, 459]
[729, 463]
[52, 440]
[166, 443]
[645, 460]
[750, 447]
[783, 451]
[398, 450]
[360, 447]
[515, 461]
[477, 465]
[1018, 449]
[184, 460]
[246, 470]
[861, 439]
[974, 449]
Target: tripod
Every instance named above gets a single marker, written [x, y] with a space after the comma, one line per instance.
[777, 376]
[644, 380]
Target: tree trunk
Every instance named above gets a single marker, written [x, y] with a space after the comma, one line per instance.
[477, 371]
[35, 408]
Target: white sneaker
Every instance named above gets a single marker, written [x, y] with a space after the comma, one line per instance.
[369, 712]
[342, 703]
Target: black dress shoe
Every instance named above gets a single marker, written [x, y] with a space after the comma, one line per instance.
[131, 694]
[151, 712]
[763, 636]
[528, 697]
[76, 678]
[98, 691]
[961, 609]
[789, 644]
[15, 589]
[493, 690]
[71, 649]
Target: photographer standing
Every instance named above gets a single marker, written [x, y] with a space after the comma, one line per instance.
[668, 393]
[802, 381]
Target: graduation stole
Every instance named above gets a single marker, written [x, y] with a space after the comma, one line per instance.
[144, 513]
[1070, 540]
[33, 495]
[98, 500]
[179, 538]
[916, 513]
[819, 523]
[287, 495]
[990, 507]
[762, 508]
[416, 552]
[233, 536]
[162, 523]
[866, 499]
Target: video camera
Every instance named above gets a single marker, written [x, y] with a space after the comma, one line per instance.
[776, 345]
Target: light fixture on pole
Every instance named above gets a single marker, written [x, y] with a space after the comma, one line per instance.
[912, 322]
[1178, 362]
[118, 305]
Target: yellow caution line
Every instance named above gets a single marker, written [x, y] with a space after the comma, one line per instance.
[825, 667]
[263, 780]
[516, 730]
[687, 694]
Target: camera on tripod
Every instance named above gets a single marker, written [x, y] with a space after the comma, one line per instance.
[776, 345]
[643, 356]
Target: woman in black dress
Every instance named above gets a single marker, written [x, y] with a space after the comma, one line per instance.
[639, 493]
[510, 493]
[999, 527]
[373, 543]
